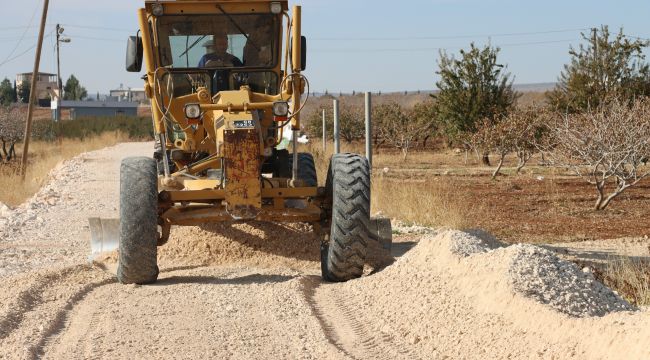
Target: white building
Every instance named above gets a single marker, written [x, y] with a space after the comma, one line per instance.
[46, 86]
[128, 94]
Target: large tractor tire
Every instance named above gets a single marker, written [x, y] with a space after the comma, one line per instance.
[306, 169]
[137, 262]
[348, 185]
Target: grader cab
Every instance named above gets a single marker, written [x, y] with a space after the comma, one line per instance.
[225, 82]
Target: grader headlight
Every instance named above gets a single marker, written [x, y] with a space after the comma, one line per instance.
[157, 10]
[280, 110]
[192, 111]
[276, 8]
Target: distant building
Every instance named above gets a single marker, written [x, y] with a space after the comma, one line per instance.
[128, 94]
[99, 108]
[46, 86]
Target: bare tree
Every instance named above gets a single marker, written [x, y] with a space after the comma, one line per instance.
[399, 127]
[352, 125]
[494, 137]
[517, 132]
[528, 128]
[11, 131]
[607, 147]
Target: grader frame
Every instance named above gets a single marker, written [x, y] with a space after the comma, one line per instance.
[217, 147]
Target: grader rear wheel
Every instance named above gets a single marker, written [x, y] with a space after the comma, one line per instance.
[137, 262]
[306, 168]
[348, 185]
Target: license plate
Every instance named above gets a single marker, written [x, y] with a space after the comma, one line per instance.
[244, 124]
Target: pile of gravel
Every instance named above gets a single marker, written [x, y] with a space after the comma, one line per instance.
[539, 274]
[472, 242]
[401, 227]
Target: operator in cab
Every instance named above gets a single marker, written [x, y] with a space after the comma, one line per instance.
[217, 56]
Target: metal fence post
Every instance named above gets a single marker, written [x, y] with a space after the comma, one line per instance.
[337, 144]
[369, 128]
[324, 133]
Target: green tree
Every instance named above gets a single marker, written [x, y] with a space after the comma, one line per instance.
[7, 93]
[22, 92]
[602, 70]
[472, 88]
[73, 89]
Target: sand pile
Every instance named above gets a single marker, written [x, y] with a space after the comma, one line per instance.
[292, 246]
[459, 295]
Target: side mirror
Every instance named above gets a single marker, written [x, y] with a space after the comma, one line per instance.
[303, 53]
[134, 54]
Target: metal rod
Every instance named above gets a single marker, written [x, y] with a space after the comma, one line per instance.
[369, 128]
[59, 82]
[32, 92]
[294, 165]
[163, 144]
[337, 145]
[324, 133]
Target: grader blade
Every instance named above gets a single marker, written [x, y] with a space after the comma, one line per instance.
[104, 236]
[382, 232]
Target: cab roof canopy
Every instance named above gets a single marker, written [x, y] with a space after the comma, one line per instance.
[177, 7]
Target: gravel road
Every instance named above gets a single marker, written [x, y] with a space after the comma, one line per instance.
[253, 291]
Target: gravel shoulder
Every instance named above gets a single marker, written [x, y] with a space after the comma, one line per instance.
[253, 291]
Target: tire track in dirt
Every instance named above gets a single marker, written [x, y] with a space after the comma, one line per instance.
[343, 327]
[40, 310]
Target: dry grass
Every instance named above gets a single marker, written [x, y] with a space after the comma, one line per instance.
[630, 277]
[44, 156]
[432, 203]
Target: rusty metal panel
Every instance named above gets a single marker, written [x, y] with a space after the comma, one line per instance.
[242, 164]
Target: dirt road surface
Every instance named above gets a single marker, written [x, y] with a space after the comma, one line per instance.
[253, 291]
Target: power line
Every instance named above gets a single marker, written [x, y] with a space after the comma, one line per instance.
[97, 28]
[638, 37]
[94, 38]
[31, 20]
[449, 37]
[24, 52]
[91, 27]
[440, 48]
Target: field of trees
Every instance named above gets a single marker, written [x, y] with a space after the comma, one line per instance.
[595, 124]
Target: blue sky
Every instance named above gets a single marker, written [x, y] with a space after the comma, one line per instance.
[353, 45]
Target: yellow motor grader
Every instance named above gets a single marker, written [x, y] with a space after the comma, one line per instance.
[224, 78]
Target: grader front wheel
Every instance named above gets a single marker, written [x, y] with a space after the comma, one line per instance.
[348, 185]
[137, 262]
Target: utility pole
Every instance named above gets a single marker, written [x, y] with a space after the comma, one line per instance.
[32, 92]
[59, 32]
